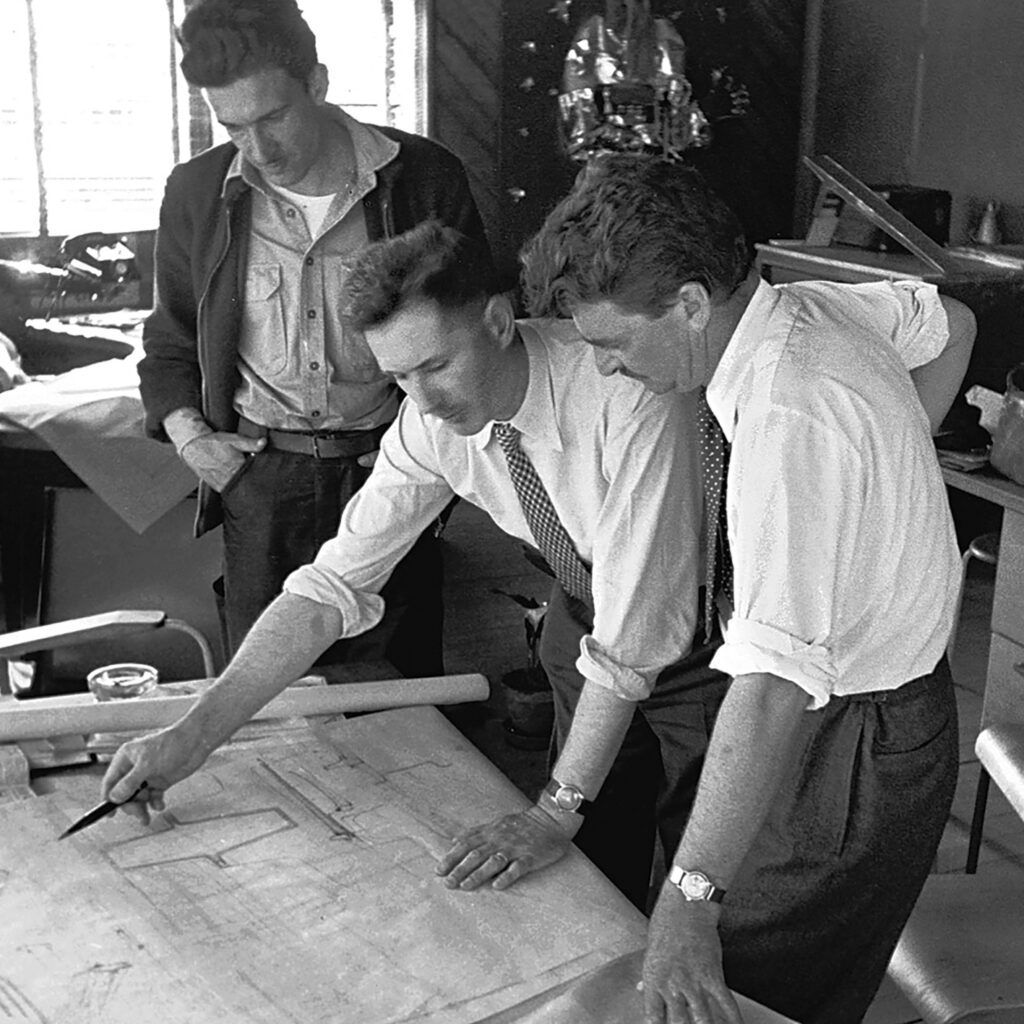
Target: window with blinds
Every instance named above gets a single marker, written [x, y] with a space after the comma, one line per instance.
[94, 113]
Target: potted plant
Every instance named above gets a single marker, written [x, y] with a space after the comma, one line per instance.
[527, 692]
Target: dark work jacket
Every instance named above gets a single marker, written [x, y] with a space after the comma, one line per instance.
[191, 337]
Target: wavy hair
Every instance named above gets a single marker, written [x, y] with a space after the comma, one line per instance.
[431, 262]
[225, 40]
[633, 229]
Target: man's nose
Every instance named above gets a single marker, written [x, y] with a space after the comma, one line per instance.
[261, 147]
[416, 392]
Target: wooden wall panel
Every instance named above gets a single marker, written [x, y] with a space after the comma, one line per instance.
[465, 108]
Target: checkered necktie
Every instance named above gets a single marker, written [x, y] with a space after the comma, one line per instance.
[714, 460]
[547, 529]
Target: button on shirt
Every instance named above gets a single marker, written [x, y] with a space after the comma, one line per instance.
[845, 558]
[620, 467]
[301, 369]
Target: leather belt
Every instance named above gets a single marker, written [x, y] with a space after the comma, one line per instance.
[339, 444]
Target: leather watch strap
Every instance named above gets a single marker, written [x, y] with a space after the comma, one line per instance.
[567, 798]
[695, 885]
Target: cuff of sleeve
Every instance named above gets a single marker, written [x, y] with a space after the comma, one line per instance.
[183, 426]
[595, 664]
[359, 611]
[752, 647]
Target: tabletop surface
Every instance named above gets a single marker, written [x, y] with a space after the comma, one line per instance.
[292, 879]
[987, 483]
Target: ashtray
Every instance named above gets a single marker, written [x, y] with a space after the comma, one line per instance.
[123, 680]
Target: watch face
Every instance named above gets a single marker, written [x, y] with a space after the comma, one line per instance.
[568, 798]
[695, 886]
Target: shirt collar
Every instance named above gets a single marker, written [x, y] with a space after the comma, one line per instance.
[536, 417]
[745, 350]
[373, 150]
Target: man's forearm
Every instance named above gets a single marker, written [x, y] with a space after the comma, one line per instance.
[184, 425]
[751, 749]
[599, 724]
[286, 639]
[938, 382]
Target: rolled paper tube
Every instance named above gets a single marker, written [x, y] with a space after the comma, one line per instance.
[43, 717]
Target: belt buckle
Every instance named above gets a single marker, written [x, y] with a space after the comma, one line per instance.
[316, 447]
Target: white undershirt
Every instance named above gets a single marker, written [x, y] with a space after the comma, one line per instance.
[314, 208]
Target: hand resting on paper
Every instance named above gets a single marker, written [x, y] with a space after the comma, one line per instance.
[683, 981]
[218, 457]
[504, 850]
[161, 759]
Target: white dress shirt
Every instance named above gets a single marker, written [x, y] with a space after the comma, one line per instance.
[846, 562]
[620, 467]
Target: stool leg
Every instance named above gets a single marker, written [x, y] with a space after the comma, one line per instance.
[977, 823]
[965, 561]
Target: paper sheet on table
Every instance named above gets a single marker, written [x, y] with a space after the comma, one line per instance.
[293, 879]
[606, 995]
[92, 418]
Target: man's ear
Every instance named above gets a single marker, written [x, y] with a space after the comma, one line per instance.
[694, 300]
[317, 82]
[499, 319]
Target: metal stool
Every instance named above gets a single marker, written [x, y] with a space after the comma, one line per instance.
[985, 548]
[959, 958]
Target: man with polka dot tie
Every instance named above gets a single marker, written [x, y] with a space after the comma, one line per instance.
[832, 763]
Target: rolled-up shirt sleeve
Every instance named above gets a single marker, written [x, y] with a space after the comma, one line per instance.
[920, 329]
[404, 493]
[794, 498]
[907, 314]
[646, 556]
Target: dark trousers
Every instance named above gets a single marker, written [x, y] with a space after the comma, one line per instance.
[277, 513]
[650, 788]
[811, 920]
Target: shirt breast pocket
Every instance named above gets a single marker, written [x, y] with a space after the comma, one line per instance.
[267, 342]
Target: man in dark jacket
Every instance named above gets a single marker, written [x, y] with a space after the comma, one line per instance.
[248, 369]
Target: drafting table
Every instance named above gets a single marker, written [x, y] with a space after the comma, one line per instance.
[292, 880]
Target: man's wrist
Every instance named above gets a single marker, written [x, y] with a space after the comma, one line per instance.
[567, 822]
[694, 885]
[183, 426]
[566, 797]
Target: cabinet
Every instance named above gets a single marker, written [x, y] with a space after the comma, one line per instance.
[1004, 680]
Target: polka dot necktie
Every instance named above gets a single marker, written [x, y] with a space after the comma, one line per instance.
[714, 460]
[547, 529]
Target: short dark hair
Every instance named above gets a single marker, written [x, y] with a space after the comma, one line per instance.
[633, 229]
[431, 262]
[225, 40]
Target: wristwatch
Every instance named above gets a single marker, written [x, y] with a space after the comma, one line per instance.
[695, 885]
[567, 798]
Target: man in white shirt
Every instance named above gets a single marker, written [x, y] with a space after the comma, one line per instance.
[619, 467]
[833, 759]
